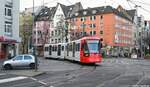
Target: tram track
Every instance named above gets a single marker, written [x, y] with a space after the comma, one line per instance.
[72, 74]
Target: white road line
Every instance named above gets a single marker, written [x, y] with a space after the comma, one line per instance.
[42, 82]
[12, 79]
[1, 74]
[39, 81]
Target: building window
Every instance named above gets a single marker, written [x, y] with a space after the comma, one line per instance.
[5, 11]
[94, 32]
[92, 18]
[39, 32]
[81, 33]
[92, 25]
[59, 40]
[76, 14]
[84, 33]
[55, 40]
[101, 16]
[94, 12]
[8, 29]
[83, 25]
[90, 32]
[83, 18]
[101, 32]
[85, 13]
[8, 11]
[73, 34]
[59, 32]
[52, 33]
[55, 32]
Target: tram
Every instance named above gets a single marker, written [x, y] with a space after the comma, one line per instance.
[84, 50]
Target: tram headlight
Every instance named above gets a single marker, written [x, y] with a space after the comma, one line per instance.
[86, 54]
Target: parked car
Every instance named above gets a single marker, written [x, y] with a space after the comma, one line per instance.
[25, 60]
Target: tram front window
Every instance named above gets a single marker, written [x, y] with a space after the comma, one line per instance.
[93, 46]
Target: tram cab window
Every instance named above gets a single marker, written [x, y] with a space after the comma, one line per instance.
[93, 46]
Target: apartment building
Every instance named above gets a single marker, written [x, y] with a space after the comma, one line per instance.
[9, 28]
[113, 25]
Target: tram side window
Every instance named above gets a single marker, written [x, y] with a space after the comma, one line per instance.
[53, 49]
[85, 48]
[66, 47]
[62, 48]
[77, 47]
[70, 47]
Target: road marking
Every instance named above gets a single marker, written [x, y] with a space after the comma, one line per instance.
[12, 79]
[39, 81]
[2, 74]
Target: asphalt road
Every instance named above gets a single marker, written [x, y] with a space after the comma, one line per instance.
[112, 72]
[8, 80]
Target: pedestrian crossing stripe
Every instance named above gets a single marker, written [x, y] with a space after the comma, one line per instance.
[12, 79]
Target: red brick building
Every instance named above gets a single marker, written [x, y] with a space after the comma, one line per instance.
[114, 26]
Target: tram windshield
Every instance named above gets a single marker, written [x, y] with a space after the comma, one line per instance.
[93, 46]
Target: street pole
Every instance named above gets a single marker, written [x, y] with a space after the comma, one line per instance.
[141, 36]
[34, 47]
[83, 30]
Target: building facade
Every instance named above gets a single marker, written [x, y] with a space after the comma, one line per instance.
[146, 37]
[40, 35]
[113, 26]
[59, 25]
[50, 24]
[9, 28]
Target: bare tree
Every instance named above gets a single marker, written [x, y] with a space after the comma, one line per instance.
[25, 31]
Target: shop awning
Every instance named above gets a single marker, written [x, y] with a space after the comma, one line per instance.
[8, 40]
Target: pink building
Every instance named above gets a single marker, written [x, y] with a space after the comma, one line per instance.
[42, 29]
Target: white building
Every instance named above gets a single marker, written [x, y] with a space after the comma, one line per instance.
[58, 23]
[9, 27]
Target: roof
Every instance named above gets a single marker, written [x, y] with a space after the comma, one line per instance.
[99, 10]
[132, 13]
[48, 13]
[45, 14]
[68, 10]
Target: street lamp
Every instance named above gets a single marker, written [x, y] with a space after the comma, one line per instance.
[34, 47]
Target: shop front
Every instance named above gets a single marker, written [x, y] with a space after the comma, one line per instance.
[7, 47]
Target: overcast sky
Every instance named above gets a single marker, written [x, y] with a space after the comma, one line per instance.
[144, 9]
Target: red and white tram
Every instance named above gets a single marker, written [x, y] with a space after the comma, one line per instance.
[84, 50]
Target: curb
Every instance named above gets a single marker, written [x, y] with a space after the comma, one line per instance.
[42, 73]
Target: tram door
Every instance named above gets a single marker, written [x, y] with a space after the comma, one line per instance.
[67, 48]
[59, 50]
[50, 50]
[73, 50]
